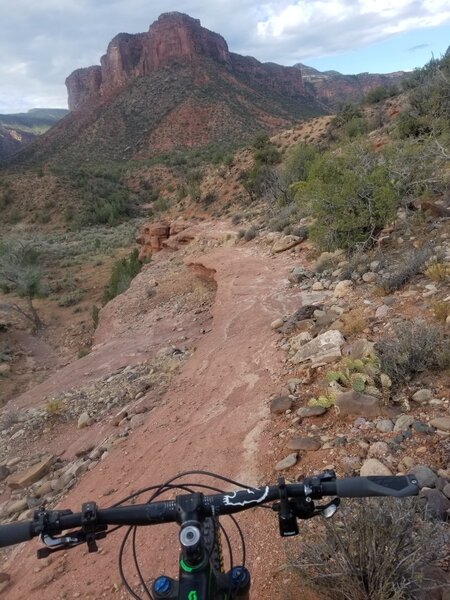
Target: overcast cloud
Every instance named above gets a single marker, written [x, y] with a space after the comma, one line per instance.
[43, 42]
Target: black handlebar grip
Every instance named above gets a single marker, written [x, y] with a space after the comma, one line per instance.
[15, 533]
[359, 487]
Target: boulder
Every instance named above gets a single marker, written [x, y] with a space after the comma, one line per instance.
[280, 405]
[34, 473]
[286, 243]
[356, 404]
[325, 348]
[150, 238]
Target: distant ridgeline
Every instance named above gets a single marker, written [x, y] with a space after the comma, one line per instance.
[18, 130]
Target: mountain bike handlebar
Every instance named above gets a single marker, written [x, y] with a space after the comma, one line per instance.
[92, 518]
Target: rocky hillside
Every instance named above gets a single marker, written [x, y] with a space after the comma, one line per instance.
[333, 88]
[18, 130]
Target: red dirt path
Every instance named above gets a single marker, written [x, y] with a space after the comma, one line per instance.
[214, 417]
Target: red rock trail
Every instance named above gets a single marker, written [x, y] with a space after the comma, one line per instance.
[213, 417]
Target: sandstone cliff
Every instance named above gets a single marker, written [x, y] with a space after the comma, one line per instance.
[175, 38]
[333, 88]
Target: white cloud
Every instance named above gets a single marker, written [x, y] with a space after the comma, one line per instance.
[327, 26]
[43, 42]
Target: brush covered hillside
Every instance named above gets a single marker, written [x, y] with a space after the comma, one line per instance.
[18, 130]
[282, 309]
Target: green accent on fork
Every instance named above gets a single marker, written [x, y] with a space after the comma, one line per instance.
[192, 595]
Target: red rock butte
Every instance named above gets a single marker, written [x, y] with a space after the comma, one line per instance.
[173, 38]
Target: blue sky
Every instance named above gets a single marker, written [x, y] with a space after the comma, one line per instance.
[41, 43]
[401, 52]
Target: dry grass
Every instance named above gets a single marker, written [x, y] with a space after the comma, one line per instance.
[374, 549]
[355, 321]
[441, 309]
[438, 271]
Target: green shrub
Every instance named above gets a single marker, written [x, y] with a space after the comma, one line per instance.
[160, 205]
[429, 110]
[298, 162]
[346, 113]
[355, 127]
[122, 274]
[413, 347]
[350, 196]
[376, 95]
[255, 180]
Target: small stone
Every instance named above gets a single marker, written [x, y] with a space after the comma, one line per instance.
[438, 505]
[343, 288]
[340, 441]
[297, 275]
[403, 423]
[373, 466]
[425, 476]
[441, 423]
[43, 489]
[369, 277]
[280, 405]
[304, 443]
[287, 462]
[16, 506]
[421, 427]
[84, 420]
[311, 411]
[446, 490]
[5, 581]
[4, 472]
[137, 420]
[293, 385]
[385, 426]
[389, 300]
[378, 450]
[422, 396]
[382, 311]
[277, 324]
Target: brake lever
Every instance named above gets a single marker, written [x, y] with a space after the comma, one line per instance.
[54, 544]
[327, 510]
